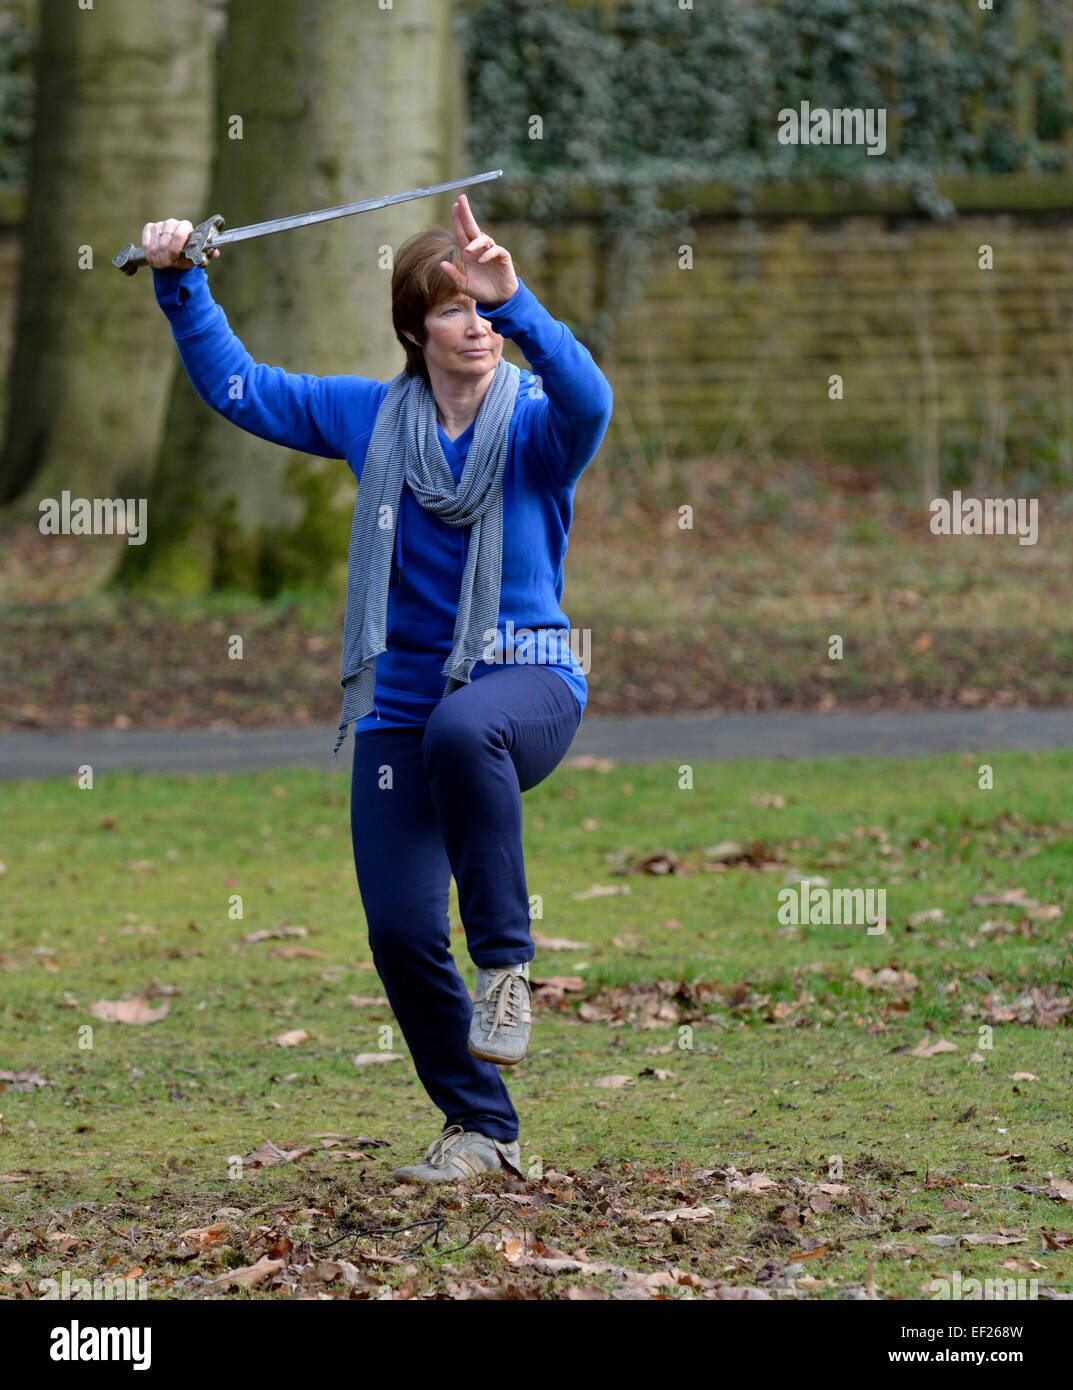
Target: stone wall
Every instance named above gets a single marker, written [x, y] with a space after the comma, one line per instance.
[936, 355]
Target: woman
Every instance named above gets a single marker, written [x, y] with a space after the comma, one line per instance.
[467, 468]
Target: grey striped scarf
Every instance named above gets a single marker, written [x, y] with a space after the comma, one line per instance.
[405, 445]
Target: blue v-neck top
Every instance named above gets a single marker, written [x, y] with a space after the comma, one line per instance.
[560, 418]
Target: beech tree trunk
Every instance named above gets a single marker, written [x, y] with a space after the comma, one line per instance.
[123, 111]
[318, 105]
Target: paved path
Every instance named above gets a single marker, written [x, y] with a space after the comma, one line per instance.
[640, 739]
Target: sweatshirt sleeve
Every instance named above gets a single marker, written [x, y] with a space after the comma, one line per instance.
[574, 403]
[314, 415]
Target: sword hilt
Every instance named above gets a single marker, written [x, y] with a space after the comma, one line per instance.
[197, 244]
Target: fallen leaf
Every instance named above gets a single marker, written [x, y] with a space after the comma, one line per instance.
[365, 1059]
[1009, 897]
[205, 1236]
[924, 1049]
[292, 1037]
[249, 1275]
[136, 1010]
[753, 1182]
[268, 1154]
[25, 1080]
[680, 1214]
[275, 932]
[557, 943]
[610, 1083]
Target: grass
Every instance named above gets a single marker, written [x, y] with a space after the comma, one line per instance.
[792, 1059]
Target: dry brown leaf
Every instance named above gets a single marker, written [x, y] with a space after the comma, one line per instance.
[268, 1154]
[274, 933]
[752, 1182]
[557, 943]
[612, 1083]
[25, 1080]
[366, 1059]
[249, 1275]
[205, 1236]
[926, 1049]
[1009, 897]
[136, 1010]
[292, 1037]
[680, 1214]
[885, 979]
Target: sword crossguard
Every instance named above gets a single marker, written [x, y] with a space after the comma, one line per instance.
[197, 243]
[200, 239]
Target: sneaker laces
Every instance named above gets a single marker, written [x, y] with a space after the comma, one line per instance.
[508, 1004]
[437, 1150]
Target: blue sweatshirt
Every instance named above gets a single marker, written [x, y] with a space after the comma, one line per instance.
[560, 418]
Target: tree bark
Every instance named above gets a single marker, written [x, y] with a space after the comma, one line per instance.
[337, 101]
[123, 110]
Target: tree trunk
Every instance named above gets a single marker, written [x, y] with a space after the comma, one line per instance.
[123, 110]
[337, 101]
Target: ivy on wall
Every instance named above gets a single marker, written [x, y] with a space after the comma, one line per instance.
[636, 95]
[640, 95]
[619, 105]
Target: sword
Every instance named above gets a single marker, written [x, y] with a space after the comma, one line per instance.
[206, 236]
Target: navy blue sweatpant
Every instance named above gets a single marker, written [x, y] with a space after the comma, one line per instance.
[439, 799]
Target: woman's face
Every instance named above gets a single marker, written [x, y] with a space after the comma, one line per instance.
[458, 341]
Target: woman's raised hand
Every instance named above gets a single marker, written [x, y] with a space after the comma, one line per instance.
[163, 244]
[489, 276]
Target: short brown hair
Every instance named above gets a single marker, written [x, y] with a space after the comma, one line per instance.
[418, 285]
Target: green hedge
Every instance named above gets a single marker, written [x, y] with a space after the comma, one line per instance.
[642, 95]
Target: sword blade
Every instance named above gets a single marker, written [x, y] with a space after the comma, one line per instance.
[307, 219]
